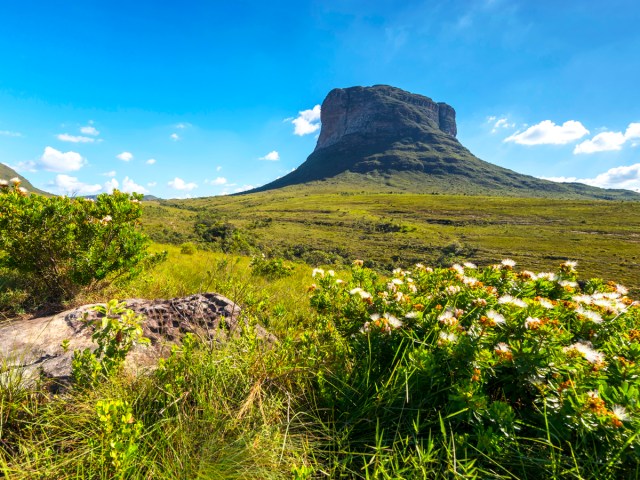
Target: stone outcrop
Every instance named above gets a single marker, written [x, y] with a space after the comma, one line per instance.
[33, 346]
[380, 110]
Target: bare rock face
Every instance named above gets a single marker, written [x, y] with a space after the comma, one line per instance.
[33, 346]
[381, 110]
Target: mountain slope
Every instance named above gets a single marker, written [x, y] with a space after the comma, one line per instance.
[384, 137]
[7, 173]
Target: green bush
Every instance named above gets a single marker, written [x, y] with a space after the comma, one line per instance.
[270, 267]
[535, 369]
[187, 248]
[54, 246]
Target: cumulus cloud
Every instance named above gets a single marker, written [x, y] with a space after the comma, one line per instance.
[271, 156]
[111, 185]
[548, 133]
[7, 133]
[67, 185]
[180, 184]
[307, 121]
[55, 161]
[627, 177]
[90, 130]
[129, 186]
[125, 156]
[151, 161]
[609, 141]
[65, 137]
[499, 123]
[217, 181]
[175, 137]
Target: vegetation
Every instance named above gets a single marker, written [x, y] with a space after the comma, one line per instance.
[412, 371]
[52, 247]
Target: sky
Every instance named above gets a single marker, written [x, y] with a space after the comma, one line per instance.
[201, 98]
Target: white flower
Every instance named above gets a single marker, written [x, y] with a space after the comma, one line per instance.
[411, 315]
[3, 183]
[547, 276]
[544, 303]
[452, 289]
[447, 317]
[397, 281]
[393, 321]
[508, 299]
[364, 295]
[587, 351]
[620, 413]
[528, 274]
[507, 262]
[502, 348]
[23, 190]
[397, 271]
[355, 290]
[317, 272]
[471, 281]
[446, 337]
[567, 283]
[106, 220]
[339, 281]
[458, 268]
[15, 181]
[590, 314]
[586, 299]
[470, 265]
[331, 273]
[622, 290]
[496, 317]
[532, 323]
[374, 317]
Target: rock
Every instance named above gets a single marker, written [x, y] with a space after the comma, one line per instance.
[32, 347]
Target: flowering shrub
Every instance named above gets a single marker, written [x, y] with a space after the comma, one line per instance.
[501, 355]
[271, 268]
[56, 245]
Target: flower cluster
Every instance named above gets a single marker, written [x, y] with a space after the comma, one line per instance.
[536, 343]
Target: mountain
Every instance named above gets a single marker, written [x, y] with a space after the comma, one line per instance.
[385, 137]
[7, 173]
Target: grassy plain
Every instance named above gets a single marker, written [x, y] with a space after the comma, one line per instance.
[328, 225]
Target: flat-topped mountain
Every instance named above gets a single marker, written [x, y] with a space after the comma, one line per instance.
[386, 137]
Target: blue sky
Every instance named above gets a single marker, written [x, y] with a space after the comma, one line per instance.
[200, 98]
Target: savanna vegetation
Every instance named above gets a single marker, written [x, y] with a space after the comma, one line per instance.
[431, 369]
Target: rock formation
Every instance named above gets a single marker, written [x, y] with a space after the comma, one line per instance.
[382, 137]
[34, 345]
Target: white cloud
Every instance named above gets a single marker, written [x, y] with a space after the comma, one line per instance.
[129, 186]
[125, 156]
[89, 130]
[8, 133]
[111, 185]
[182, 126]
[602, 142]
[500, 123]
[609, 141]
[111, 173]
[28, 166]
[244, 188]
[151, 161]
[218, 168]
[175, 137]
[218, 181]
[272, 156]
[627, 177]
[55, 161]
[72, 186]
[308, 121]
[152, 184]
[547, 132]
[65, 137]
[180, 184]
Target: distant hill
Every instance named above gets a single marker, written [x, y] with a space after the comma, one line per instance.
[7, 173]
[384, 137]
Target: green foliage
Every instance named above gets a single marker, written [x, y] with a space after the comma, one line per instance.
[187, 248]
[115, 333]
[53, 246]
[223, 235]
[510, 361]
[270, 267]
[118, 437]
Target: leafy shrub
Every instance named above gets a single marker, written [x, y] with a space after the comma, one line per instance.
[507, 361]
[188, 248]
[54, 246]
[115, 334]
[270, 267]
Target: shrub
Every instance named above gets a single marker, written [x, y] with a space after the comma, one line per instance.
[188, 248]
[54, 246]
[270, 267]
[532, 368]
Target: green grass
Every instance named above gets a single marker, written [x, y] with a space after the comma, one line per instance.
[324, 225]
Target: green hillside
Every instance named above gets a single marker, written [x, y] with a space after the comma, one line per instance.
[7, 173]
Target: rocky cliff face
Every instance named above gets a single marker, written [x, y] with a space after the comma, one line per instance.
[381, 110]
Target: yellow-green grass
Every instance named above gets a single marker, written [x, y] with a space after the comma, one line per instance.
[603, 236]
